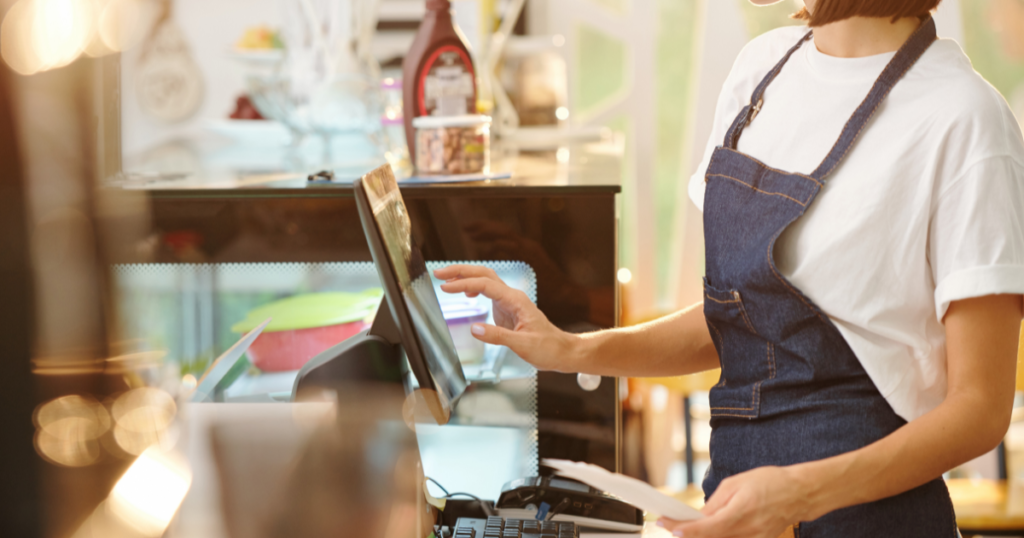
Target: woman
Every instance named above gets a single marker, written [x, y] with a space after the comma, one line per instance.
[864, 272]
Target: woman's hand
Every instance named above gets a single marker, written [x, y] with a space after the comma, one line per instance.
[519, 324]
[760, 503]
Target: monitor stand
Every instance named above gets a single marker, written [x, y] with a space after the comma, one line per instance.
[374, 355]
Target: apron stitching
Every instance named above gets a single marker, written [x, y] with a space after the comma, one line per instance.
[714, 155]
[755, 399]
[755, 391]
[743, 312]
[740, 307]
[744, 183]
[765, 166]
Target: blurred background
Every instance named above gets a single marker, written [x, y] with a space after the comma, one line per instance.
[106, 323]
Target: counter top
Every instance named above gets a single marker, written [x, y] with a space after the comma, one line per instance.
[988, 506]
[260, 168]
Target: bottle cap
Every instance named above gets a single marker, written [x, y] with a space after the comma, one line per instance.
[434, 122]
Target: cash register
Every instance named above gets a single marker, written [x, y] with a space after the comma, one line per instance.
[409, 342]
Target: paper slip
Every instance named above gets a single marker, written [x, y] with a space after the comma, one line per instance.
[631, 490]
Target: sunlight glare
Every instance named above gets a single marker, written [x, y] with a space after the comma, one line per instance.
[149, 493]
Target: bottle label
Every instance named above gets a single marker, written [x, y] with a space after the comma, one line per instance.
[446, 86]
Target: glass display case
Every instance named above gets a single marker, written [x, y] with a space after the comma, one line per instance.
[215, 255]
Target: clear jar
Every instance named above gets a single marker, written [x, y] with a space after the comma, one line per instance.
[453, 145]
[397, 152]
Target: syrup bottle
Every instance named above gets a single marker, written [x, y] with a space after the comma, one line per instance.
[437, 73]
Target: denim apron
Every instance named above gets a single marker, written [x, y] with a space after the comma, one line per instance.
[791, 389]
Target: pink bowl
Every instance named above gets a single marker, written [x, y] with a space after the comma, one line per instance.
[281, 351]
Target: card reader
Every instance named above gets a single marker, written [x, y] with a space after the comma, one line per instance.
[552, 498]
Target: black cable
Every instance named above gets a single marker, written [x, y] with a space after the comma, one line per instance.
[461, 494]
[481, 502]
[438, 484]
[437, 528]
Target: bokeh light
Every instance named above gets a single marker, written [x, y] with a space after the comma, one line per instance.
[136, 442]
[142, 419]
[16, 39]
[68, 430]
[45, 34]
[37, 35]
[123, 23]
[562, 155]
[60, 30]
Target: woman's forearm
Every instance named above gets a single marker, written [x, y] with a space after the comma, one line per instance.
[981, 351]
[676, 344]
[962, 428]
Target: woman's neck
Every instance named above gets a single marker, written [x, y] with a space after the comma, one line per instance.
[863, 36]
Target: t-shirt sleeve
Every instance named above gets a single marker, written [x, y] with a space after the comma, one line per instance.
[976, 233]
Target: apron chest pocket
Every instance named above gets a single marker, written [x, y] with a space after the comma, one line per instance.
[747, 359]
[726, 306]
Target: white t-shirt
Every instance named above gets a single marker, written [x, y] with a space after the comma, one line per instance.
[926, 208]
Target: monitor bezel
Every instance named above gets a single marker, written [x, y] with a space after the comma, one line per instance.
[440, 406]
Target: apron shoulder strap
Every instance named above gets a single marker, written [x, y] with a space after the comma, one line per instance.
[905, 58]
[751, 110]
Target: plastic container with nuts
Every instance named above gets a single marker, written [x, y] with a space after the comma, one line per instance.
[453, 145]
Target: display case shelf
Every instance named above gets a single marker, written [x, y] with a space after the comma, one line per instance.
[215, 253]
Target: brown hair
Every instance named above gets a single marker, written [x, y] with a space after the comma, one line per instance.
[828, 11]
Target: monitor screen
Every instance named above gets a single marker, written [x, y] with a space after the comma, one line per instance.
[410, 293]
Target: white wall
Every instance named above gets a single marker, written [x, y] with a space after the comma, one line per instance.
[211, 28]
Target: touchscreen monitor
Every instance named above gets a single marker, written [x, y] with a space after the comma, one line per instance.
[409, 291]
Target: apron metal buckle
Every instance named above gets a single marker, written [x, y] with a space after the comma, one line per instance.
[754, 110]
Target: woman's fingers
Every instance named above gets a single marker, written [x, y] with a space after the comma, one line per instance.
[455, 272]
[720, 499]
[721, 525]
[711, 527]
[753, 504]
[494, 290]
[499, 336]
[671, 525]
[519, 324]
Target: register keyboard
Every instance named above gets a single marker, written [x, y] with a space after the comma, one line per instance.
[499, 527]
